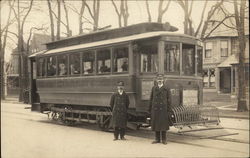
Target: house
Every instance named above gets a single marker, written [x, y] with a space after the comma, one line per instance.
[36, 45]
[221, 55]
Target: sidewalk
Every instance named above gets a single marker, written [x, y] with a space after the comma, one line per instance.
[227, 106]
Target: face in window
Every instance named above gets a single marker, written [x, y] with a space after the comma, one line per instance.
[103, 61]
[88, 63]
[120, 60]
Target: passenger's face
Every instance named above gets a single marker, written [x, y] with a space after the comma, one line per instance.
[160, 81]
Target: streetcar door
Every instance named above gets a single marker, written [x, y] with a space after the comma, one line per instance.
[34, 97]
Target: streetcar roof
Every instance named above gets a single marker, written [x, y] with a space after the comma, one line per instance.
[114, 41]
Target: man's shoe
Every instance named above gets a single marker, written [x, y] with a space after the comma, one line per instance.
[123, 138]
[164, 142]
[115, 139]
[156, 141]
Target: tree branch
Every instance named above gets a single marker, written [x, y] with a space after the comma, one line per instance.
[91, 14]
[217, 26]
[166, 8]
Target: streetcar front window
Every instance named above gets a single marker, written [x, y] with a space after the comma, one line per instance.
[88, 62]
[103, 61]
[41, 67]
[74, 66]
[51, 66]
[188, 59]
[120, 58]
[62, 65]
[172, 58]
[149, 58]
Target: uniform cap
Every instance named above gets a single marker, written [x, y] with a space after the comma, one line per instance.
[160, 76]
[120, 83]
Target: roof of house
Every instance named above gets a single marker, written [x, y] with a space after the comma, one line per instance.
[226, 29]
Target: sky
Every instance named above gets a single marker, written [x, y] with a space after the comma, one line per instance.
[137, 13]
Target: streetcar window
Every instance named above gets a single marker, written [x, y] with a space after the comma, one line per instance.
[149, 58]
[88, 62]
[51, 66]
[188, 59]
[172, 57]
[103, 61]
[41, 67]
[74, 64]
[120, 58]
[199, 60]
[62, 65]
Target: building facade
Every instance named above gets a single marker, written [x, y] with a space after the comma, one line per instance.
[221, 56]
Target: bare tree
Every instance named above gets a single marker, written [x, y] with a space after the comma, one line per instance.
[58, 19]
[4, 34]
[148, 11]
[80, 15]
[94, 13]
[122, 13]
[187, 8]
[52, 29]
[69, 32]
[162, 11]
[240, 26]
[209, 16]
[23, 64]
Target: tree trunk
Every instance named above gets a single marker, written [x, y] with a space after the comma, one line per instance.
[240, 23]
[52, 31]
[80, 17]
[58, 20]
[148, 11]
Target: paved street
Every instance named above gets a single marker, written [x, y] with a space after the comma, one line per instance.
[27, 134]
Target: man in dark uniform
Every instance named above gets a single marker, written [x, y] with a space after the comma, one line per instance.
[159, 106]
[119, 103]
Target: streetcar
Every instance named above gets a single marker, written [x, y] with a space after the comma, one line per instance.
[73, 80]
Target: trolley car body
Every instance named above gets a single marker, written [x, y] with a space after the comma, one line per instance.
[82, 71]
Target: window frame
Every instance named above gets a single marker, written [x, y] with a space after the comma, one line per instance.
[47, 67]
[69, 63]
[112, 57]
[221, 49]
[96, 61]
[182, 60]
[38, 67]
[180, 51]
[67, 67]
[148, 43]
[210, 50]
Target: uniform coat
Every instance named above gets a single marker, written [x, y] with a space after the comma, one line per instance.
[119, 104]
[159, 106]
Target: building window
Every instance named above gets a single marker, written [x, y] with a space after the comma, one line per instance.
[41, 67]
[51, 66]
[235, 45]
[149, 58]
[120, 57]
[224, 48]
[172, 57]
[205, 78]
[62, 65]
[212, 77]
[188, 59]
[88, 62]
[103, 61]
[74, 60]
[208, 50]
[199, 60]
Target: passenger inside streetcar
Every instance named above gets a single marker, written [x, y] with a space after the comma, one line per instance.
[62, 69]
